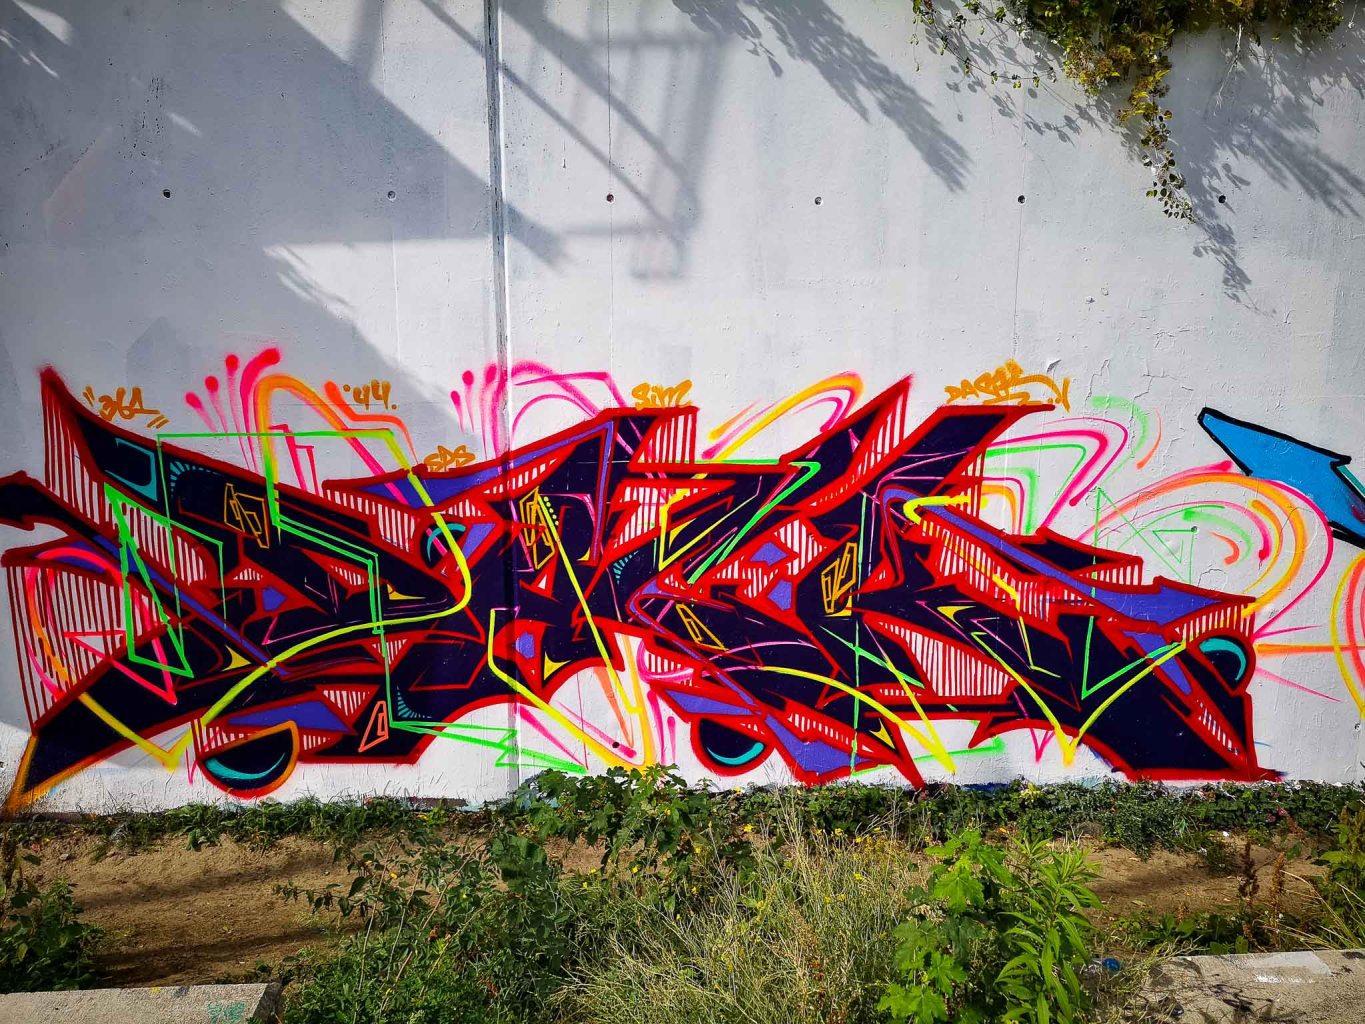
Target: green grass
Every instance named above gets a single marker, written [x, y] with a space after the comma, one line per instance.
[43, 943]
[1140, 816]
[804, 937]
[258, 825]
[706, 906]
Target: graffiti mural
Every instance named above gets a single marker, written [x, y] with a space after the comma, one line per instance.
[838, 609]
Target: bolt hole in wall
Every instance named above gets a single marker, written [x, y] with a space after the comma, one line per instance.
[392, 195]
[166, 193]
[1021, 199]
[818, 200]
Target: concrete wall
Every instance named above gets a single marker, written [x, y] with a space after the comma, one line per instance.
[449, 224]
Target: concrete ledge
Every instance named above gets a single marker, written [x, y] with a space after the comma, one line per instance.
[184, 1004]
[1259, 988]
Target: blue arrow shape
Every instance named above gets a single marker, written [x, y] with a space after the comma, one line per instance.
[1318, 474]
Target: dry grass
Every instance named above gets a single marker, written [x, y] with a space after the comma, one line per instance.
[805, 940]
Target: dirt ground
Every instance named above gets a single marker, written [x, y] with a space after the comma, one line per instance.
[1181, 883]
[178, 916]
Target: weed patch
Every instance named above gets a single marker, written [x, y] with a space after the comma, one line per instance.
[801, 936]
[1000, 935]
[43, 944]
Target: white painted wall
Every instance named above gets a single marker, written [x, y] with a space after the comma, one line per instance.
[280, 131]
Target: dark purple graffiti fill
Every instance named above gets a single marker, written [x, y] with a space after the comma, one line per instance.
[828, 607]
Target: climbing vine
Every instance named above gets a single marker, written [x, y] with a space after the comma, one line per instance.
[1106, 44]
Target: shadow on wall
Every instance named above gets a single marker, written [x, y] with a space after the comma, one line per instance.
[664, 185]
[1268, 107]
[213, 142]
[1262, 105]
[195, 157]
[273, 131]
[812, 32]
[283, 142]
[664, 181]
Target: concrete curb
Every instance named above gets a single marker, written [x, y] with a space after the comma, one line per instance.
[183, 1004]
[1325, 987]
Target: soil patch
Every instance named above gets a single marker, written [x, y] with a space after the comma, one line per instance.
[178, 916]
[1175, 883]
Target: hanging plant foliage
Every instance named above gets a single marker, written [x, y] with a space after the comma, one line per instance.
[1104, 45]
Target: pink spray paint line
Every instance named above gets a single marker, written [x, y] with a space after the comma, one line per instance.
[335, 396]
[524, 713]
[371, 463]
[539, 373]
[467, 379]
[842, 404]
[1095, 466]
[211, 386]
[1039, 746]
[668, 751]
[292, 448]
[1298, 498]
[195, 403]
[142, 614]
[248, 450]
[306, 451]
[1303, 502]
[1281, 680]
[167, 694]
[1262, 634]
[1118, 521]
[256, 366]
[488, 411]
[604, 737]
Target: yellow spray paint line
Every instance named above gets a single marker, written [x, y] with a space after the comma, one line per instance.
[849, 381]
[1068, 746]
[170, 758]
[417, 485]
[913, 505]
[1169, 653]
[936, 747]
[1355, 569]
[637, 687]
[601, 643]
[905, 684]
[675, 553]
[1028, 651]
[601, 749]
[1004, 585]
